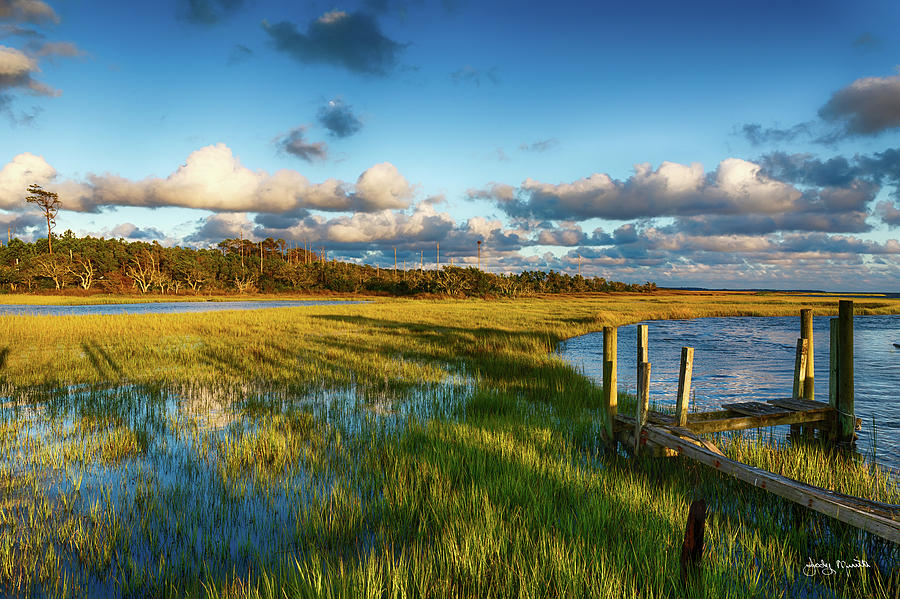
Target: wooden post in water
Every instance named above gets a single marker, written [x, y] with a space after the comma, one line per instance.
[643, 403]
[799, 376]
[833, 350]
[833, 361]
[806, 332]
[845, 397]
[642, 352]
[610, 395]
[800, 368]
[684, 385]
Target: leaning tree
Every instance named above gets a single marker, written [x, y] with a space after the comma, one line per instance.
[48, 202]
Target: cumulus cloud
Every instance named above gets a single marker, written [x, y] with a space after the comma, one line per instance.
[207, 12]
[410, 232]
[212, 178]
[295, 144]
[790, 260]
[867, 106]
[18, 67]
[15, 177]
[131, 231]
[30, 11]
[844, 186]
[21, 223]
[540, 146]
[17, 70]
[889, 212]
[735, 187]
[470, 74]
[216, 227]
[338, 118]
[350, 40]
[382, 186]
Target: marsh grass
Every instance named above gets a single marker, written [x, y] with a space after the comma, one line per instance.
[429, 448]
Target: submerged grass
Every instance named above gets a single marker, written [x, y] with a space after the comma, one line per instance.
[400, 448]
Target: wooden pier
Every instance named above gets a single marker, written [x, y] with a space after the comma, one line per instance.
[681, 433]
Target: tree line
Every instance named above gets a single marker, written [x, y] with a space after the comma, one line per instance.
[243, 266]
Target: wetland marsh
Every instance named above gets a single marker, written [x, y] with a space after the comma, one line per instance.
[395, 448]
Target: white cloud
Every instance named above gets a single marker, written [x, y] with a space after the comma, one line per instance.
[15, 177]
[736, 187]
[382, 186]
[212, 178]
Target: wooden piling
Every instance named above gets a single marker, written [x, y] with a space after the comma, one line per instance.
[833, 351]
[806, 332]
[684, 385]
[692, 548]
[643, 403]
[800, 359]
[610, 395]
[799, 377]
[845, 398]
[642, 351]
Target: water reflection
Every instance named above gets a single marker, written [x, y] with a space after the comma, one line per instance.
[752, 358]
[206, 481]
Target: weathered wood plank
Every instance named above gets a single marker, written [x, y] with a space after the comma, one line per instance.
[754, 408]
[715, 415]
[745, 422]
[800, 405]
[659, 418]
[696, 439]
[820, 500]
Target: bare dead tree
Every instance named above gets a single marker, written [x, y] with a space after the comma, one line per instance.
[84, 270]
[142, 271]
[54, 268]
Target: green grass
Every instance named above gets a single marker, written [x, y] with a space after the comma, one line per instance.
[400, 448]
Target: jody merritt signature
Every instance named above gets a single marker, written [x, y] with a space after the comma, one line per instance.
[824, 568]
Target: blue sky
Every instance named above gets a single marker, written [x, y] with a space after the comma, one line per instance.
[691, 144]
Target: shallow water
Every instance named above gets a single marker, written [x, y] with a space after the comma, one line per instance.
[162, 307]
[187, 497]
[752, 359]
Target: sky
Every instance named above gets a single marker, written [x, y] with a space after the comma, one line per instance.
[699, 144]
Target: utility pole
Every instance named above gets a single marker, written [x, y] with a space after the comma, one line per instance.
[260, 258]
[479, 254]
[242, 249]
[422, 265]
[395, 261]
[438, 263]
